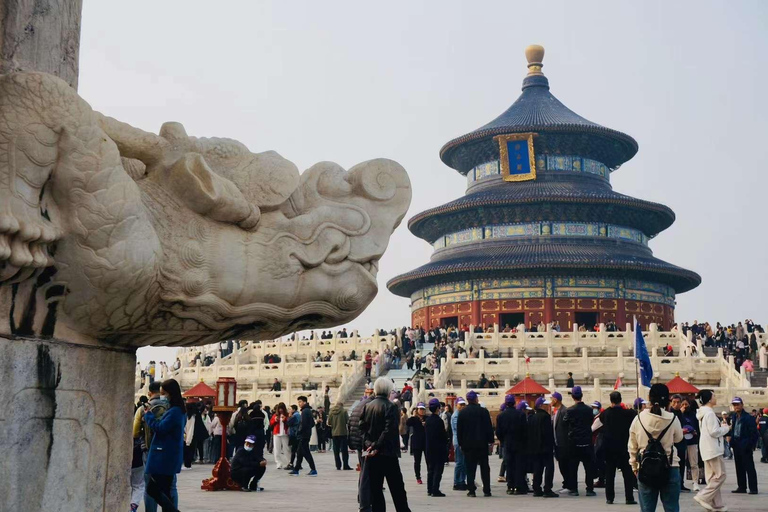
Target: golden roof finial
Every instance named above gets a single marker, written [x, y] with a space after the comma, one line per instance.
[677, 374]
[535, 55]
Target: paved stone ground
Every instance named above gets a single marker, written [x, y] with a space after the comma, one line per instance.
[335, 491]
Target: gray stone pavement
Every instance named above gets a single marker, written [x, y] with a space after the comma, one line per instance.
[334, 491]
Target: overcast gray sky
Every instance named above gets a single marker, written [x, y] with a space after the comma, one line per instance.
[351, 81]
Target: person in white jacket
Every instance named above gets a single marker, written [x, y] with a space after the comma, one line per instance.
[711, 448]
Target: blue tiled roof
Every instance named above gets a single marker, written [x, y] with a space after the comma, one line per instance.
[575, 200]
[560, 129]
[542, 258]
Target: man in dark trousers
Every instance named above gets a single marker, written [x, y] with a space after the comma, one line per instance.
[379, 425]
[615, 422]
[681, 447]
[743, 441]
[249, 465]
[304, 433]
[578, 418]
[511, 429]
[561, 438]
[475, 434]
[541, 445]
[416, 425]
[436, 448]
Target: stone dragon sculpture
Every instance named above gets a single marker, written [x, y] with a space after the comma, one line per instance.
[114, 234]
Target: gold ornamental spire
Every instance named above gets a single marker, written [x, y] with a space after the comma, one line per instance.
[535, 55]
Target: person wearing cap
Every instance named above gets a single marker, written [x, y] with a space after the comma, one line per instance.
[762, 428]
[249, 465]
[459, 469]
[381, 443]
[743, 436]
[615, 422]
[561, 438]
[597, 440]
[711, 433]
[511, 430]
[436, 448]
[475, 434]
[418, 441]
[541, 445]
[578, 418]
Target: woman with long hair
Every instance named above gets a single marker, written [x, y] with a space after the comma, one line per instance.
[664, 427]
[711, 447]
[167, 447]
[691, 435]
[279, 425]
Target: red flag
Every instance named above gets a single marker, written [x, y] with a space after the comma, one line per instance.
[527, 359]
[617, 385]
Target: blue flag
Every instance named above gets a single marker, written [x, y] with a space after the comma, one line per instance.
[643, 359]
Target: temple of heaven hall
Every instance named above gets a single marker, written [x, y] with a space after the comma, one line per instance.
[540, 235]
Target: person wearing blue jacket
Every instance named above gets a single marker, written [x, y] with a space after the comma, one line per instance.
[459, 470]
[743, 436]
[166, 451]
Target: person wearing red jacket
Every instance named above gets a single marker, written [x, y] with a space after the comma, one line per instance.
[279, 425]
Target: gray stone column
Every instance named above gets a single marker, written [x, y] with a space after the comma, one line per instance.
[41, 35]
[66, 433]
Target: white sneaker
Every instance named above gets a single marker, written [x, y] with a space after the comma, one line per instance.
[703, 503]
[696, 487]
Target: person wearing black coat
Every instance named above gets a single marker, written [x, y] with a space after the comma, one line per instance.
[305, 432]
[743, 442]
[379, 424]
[249, 465]
[436, 449]
[615, 422]
[561, 438]
[418, 443]
[579, 419]
[475, 434]
[511, 429]
[541, 445]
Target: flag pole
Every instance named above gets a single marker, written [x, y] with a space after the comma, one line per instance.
[637, 368]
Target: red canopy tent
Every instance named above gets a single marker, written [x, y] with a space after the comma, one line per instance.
[680, 386]
[200, 391]
[528, 389]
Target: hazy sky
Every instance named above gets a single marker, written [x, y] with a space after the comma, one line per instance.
[351, 81]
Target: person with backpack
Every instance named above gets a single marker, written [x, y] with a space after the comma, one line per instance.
[652, 454]
[711, 432]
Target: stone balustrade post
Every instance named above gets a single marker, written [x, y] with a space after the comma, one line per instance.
[507, 384]
[597, 390]
[464, 387]
[585, 359]
[550, 360]
[198, 365]
[551, 383]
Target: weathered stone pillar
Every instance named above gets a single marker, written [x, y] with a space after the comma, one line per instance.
[41, 35]
[66, 435]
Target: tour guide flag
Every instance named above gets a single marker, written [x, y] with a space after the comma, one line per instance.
[641, 354]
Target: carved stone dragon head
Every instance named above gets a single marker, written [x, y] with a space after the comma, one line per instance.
[111, 233]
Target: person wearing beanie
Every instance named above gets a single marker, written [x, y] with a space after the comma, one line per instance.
[561, 438]
[663, 426]
[579, 419]
[541, 445]
[711, 433]
[418, 437]
[615, 421]
[511, 427]
[436, 449]
[475, 435]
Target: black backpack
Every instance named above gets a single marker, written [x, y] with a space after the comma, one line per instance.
[654, 463]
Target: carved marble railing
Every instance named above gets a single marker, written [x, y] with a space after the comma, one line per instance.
[753, 397]
[256, 350]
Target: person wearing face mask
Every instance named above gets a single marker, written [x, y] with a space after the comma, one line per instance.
[249, 465]
[166, 450]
